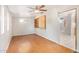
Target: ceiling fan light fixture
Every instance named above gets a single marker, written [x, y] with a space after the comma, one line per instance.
[37, 11]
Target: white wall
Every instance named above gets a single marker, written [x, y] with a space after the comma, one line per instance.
[22, 28]
[5, 37]
[52, 25]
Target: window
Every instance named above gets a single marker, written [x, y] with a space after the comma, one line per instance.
[2, 20]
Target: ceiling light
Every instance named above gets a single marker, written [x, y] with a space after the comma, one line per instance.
[21, 20]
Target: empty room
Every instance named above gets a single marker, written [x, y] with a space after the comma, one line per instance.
[39, 28]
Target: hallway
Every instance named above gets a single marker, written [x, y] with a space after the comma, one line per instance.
[35, 44]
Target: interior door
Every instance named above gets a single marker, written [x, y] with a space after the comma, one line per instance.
[67, 21]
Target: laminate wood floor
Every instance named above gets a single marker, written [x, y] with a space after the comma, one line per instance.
[35, 44]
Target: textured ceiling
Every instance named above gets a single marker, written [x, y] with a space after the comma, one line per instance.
[22, 10]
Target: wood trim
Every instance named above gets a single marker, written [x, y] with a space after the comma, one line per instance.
[36, 23]
[40, 22]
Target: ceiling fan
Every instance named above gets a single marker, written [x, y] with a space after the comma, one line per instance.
[39, 8]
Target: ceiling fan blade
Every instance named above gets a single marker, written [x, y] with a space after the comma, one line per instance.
[42, 6]
[43, 10]
[37, 7]
[31, 8]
